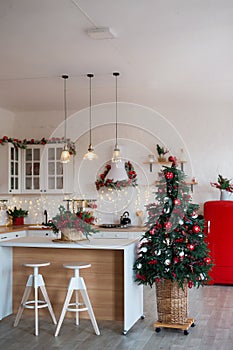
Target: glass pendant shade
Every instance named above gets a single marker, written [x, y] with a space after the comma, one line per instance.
[90, 155]
[116, 157]
[65, 155]
[117, 172]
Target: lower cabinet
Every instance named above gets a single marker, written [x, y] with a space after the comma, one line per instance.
[12, 235]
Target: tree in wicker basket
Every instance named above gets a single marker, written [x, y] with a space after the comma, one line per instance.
[173, 253]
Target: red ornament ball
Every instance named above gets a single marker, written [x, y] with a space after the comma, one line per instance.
[196, 229]
[207, 260]
[177, 201]
[169, 175]
[190, 284]
[175, 260]
[190, 246]
[168, 225]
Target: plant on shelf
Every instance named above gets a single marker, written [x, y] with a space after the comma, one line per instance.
[17, 215]
[223, 184]
[117, 185]
[173, 252]
[72, 226]
[161, 153]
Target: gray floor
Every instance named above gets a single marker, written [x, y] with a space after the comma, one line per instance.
[211, 306]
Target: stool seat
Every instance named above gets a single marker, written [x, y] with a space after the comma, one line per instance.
[35, 281]
[76, 265]
[77, 284]
[36, 264]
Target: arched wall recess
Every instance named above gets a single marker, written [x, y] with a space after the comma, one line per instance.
[140, 129]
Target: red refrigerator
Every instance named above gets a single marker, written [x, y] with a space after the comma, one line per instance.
[218, 217]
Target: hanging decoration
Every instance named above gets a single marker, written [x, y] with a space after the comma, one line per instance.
[24, 143]
[117, 185]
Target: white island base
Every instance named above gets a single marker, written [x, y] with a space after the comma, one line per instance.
[110, 279]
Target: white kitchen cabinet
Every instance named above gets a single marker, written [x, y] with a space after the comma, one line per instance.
[36, 169]
[12, 235]
[41, 233]
[10, 170]
[55, 176]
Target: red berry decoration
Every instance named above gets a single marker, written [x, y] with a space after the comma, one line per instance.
[196, 229]
[207, 260]
[169, 175]
[175, 260]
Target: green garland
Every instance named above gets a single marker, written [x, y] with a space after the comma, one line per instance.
[23, 143]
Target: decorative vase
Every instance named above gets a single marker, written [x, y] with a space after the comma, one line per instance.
[225, 195]
[171, 302]
[18, 221]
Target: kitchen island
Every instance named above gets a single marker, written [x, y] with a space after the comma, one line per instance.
[110, 280]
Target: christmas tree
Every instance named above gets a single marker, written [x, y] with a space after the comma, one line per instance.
[174, 246]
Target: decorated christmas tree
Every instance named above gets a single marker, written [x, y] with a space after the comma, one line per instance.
[173, 248]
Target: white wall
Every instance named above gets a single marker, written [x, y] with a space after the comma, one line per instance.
[202, 130]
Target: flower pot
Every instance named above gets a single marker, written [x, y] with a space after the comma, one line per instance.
[171, 302]
[18, 221]
[225, 195]
[71, 234]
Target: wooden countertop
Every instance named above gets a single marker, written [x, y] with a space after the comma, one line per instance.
[16, 228]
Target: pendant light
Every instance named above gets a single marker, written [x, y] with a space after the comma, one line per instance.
[90, 155]
[65, 155]
[116, 157]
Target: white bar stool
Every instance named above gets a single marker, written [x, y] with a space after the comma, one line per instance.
[77, 284]
[35, 281]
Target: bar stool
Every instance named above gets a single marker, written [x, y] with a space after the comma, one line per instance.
[77, 284]
[35, 281]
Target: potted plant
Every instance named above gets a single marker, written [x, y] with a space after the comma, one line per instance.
[161, 153]
[73, 226]
[17, 215]
[173, 253]
[225, 186]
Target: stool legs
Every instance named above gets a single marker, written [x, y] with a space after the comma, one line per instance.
[35, 281]
[77, 283]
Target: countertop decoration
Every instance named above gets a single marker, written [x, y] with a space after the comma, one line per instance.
[73, 227]
[23, 143]
[17, 215]
[117, 185]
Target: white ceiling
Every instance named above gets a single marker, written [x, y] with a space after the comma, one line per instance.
[164, 49]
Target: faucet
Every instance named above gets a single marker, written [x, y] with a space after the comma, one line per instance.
[45, 218]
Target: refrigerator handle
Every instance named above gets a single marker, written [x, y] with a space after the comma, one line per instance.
[208, 226]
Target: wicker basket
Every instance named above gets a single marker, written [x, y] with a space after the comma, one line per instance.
[171, 302]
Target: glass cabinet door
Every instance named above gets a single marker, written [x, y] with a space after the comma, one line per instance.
[55, 169]
[32, 169]
[14, 169]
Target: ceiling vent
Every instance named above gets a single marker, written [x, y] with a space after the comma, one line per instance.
[101, 33]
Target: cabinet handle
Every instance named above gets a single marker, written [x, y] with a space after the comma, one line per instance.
[3, 237]
[208, 226]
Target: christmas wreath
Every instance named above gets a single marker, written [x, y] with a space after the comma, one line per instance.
[117, 185]
[23, 143]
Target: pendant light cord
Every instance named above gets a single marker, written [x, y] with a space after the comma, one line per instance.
[90, 105]
[65, 105]
[116, 74]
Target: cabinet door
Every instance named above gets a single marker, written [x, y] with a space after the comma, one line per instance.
[14, 170]
[219, 225]
[31, 169]
[57, 176]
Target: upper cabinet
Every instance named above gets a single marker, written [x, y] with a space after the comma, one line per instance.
[36, 169]
[10, 169]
